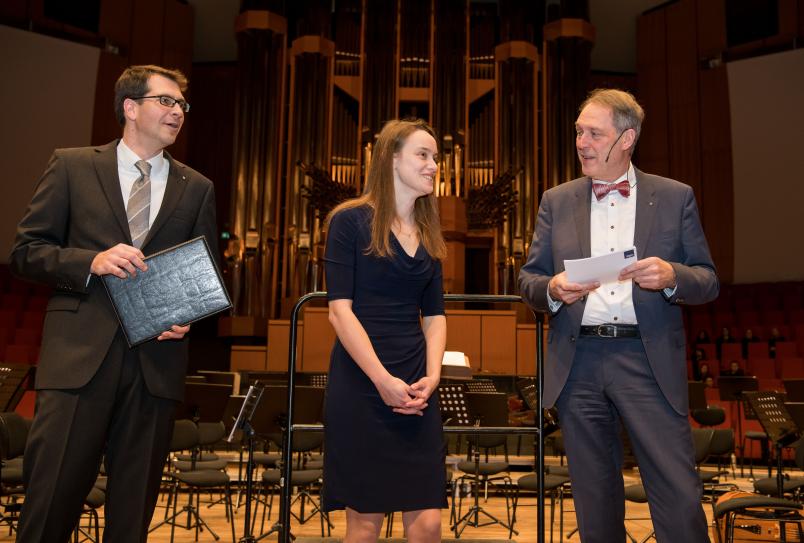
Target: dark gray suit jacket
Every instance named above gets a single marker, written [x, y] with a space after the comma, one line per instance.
[667, 226]
[77, 210]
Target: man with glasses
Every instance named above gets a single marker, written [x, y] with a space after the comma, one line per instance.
[616, 349]
[97, 211]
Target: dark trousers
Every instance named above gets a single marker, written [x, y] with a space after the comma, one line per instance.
[112, 417]
[611, 381]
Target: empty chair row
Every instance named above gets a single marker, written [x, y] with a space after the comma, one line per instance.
[22, 319]
[19, 354]
[21, 336]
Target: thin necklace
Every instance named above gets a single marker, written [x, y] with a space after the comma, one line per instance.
[402, 232]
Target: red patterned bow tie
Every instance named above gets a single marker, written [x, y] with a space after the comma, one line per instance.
[602, 189]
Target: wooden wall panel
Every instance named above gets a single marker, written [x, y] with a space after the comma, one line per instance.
[115, 23]
[104, 124]
[526, 350]
[788, 23]
[711, 15]
[716, 200]
[319, 337]
[147, 31]
[177, 37]
[682, 89]
[800, 19]
[279, 342]
[14, 10]
[463, 334]
[652, 148]
[716, 196]
[248, 358]
[498, 342]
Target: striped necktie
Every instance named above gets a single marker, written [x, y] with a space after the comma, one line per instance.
[138, 209]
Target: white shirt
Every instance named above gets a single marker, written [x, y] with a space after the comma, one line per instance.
[128, 173]
[612, 229]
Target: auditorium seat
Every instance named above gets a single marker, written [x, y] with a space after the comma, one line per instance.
[773, 317]
[18, 286]
[32, 319]
[762, 368]
[709, 349]
[725, 319]
[787, 348]
[748, 318]
[13, 301]
[700, 322]
[8, 318]
[27, 336]
[731, 351]
[758, 349]
[774, 384]
[21, 354]
[791, 367]
[37, 303]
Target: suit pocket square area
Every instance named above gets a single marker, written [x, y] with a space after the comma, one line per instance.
[182, 285]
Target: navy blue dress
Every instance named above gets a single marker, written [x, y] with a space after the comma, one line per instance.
[375, 460]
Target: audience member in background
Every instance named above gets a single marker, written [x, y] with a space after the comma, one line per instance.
[749, 337]
[698, 355]
[702, 337]
[774, 338]
[734, 370]
[709, 382]
[725, 337]
[702, 371]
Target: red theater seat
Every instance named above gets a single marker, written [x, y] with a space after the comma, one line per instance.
[791, 367]
[762, 368]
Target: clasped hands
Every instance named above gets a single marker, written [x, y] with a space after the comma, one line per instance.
[403, 398]
[123, 261]
[651, 273]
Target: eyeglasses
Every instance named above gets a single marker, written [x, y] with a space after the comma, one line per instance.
[167, 101]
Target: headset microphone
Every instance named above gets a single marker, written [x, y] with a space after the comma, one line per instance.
[612, 146]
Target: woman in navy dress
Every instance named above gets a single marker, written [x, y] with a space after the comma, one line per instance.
[384, 449]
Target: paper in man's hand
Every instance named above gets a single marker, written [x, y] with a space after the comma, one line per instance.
[601, 269]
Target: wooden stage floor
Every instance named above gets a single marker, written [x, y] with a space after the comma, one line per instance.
[638, 525]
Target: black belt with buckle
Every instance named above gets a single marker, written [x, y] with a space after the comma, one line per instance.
[611, 330]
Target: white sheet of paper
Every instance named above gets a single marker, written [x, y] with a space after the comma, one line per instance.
[602, 269]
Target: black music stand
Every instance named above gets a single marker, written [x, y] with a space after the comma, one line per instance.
[731, 390]
[485, 409]
[453, 405]
[204, 402]
[481, 385]
[796, 411]
[271, 419]
[794, 389]
[243, 422]
[777, 423]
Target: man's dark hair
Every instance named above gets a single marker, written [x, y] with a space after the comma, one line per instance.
[133, 82]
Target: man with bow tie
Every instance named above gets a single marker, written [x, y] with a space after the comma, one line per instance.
[616, 350]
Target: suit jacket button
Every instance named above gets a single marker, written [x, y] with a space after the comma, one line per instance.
[572, 339]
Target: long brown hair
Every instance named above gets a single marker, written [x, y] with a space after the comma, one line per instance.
[379, 194]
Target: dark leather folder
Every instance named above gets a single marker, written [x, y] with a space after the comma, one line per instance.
[182, 285]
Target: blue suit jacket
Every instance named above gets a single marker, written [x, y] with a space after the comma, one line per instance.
[667, 226]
